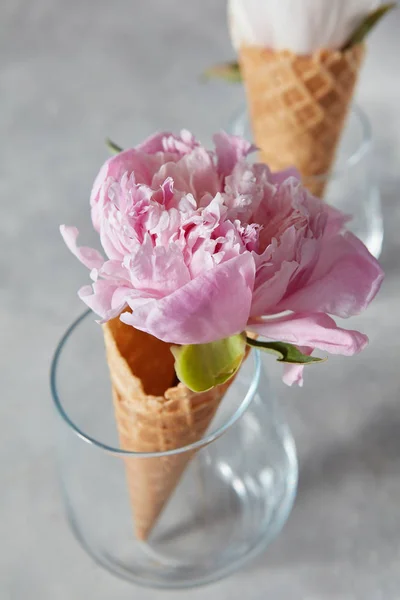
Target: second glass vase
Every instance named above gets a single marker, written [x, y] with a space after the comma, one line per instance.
[351, 186]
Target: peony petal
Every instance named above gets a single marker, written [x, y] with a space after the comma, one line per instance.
[213, 306]
[95, 194]
[157, 271]
[230, 149]
[301, 27]
[91, 258]
[129, 161]
[154, 143]
[168, 142]
[294, 373]
[314, 330]
[268, 294]
[99, 299]
[337, 220]
[278, 177]
[346, 279]
[114, 271]
[202, 173]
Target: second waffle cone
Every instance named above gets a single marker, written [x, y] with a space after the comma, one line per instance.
[298, 106]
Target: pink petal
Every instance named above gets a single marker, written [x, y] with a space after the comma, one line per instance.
[346, 279]
[294, 373]
[230, 149]
[212, 306]
[95, 193]
[157, 271]
[202, 173]
[114, 271]
[91, 258]
[154, 143]
[114, 167]
[168, 142]
[268, 294]
[129, 161]
[99, 299]
[315, 330]
[278, 177]
[244, 190]
[167, 189]
[336, 220]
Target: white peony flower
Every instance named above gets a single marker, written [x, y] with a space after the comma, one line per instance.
[301, 26]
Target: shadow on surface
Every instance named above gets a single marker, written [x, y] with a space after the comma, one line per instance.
[391, 224]
[328, 527]
[375, 449]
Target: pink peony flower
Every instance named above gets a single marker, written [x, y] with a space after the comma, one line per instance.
[202, 245]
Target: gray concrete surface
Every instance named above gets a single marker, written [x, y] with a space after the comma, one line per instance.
[71, 73]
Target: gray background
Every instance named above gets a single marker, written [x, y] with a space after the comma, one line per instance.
[72, 72]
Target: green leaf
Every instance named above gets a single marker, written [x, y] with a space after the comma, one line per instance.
[286, 352]
[227, 71]
[115, 149]
[369, 23]
[202, 366]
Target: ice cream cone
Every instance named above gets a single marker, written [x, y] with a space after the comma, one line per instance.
[298, 106]
[154, 413]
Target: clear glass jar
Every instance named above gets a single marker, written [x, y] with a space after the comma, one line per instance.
[231, 501]
[351, 186]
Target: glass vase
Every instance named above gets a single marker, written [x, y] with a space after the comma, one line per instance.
[351, 186]
[233, 497]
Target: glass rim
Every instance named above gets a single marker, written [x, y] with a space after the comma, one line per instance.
[204, 441]
[351, 161]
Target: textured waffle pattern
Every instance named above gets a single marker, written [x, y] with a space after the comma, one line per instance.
[153, 423]
[298, 105]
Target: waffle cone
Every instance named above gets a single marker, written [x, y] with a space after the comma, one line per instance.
[153, 413]
[298, 106]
